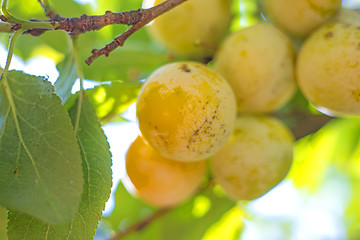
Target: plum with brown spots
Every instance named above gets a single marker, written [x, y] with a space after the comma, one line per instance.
[186, 111]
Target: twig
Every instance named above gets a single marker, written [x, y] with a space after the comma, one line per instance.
[136, 19]
[13, 39]
[304, 123]
[4, 10]
[81, 78]
[210, 183]
[308, 124]
[90, 23]
[6, 27]
[80, 25]
[47, 9]
[86, 23]
[144, 17]
[141, 224]
[26, 25]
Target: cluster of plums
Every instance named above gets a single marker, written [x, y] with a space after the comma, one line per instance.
[194, 117]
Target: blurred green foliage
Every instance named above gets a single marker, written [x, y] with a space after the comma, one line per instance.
[210, 215]
[111, 100]
[336, 144]
[3, 220]
[206, 216]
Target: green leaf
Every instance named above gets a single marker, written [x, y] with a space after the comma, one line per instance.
[118, 6]
[25, 10]
[40, 162]
[194, 223]
[70, 8]
[128, 209]
[132, 62]
[3, 223]
[317, 152]
[67, 78]
[193, 217]
[98, 180]
[51, 44]
[4, 39]
[111, 100]
[228, 227]
[97, 171]
[353, 212]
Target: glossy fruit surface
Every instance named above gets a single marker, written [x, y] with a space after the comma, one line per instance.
[192, 29]
[300, 17]
[258, 62]
[256, 158]
[328, 66]
[186, 111]
[161, 181]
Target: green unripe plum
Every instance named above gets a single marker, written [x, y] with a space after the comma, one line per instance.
[192, 29]
[300, 17]
[258, 62]
[256, 158]
[328, 66]
[186, 111]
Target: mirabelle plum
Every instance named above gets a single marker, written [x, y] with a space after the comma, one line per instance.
[328, 64]
[258, 62]
[193, 28]
[161, 181]
[300, 17]
[256, 158]
[186, 111]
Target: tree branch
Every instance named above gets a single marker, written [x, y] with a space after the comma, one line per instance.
[137, 226]
[141, 224]
[47, 9]
[144, 17]
[308, 124]
[136, 19]
[303, 123]
[6, 27]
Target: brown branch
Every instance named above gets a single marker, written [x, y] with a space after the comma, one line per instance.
[210, 183]
[87, 23]
[136, 19]
[303, 122]
[90, 23]
[308, 124]
[145, 16]
[141, 224]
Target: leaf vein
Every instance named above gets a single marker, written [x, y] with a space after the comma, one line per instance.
[15, 116]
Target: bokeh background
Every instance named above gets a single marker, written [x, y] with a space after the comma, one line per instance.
[319, 200]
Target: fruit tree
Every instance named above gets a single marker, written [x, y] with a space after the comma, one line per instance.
[179, 119]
